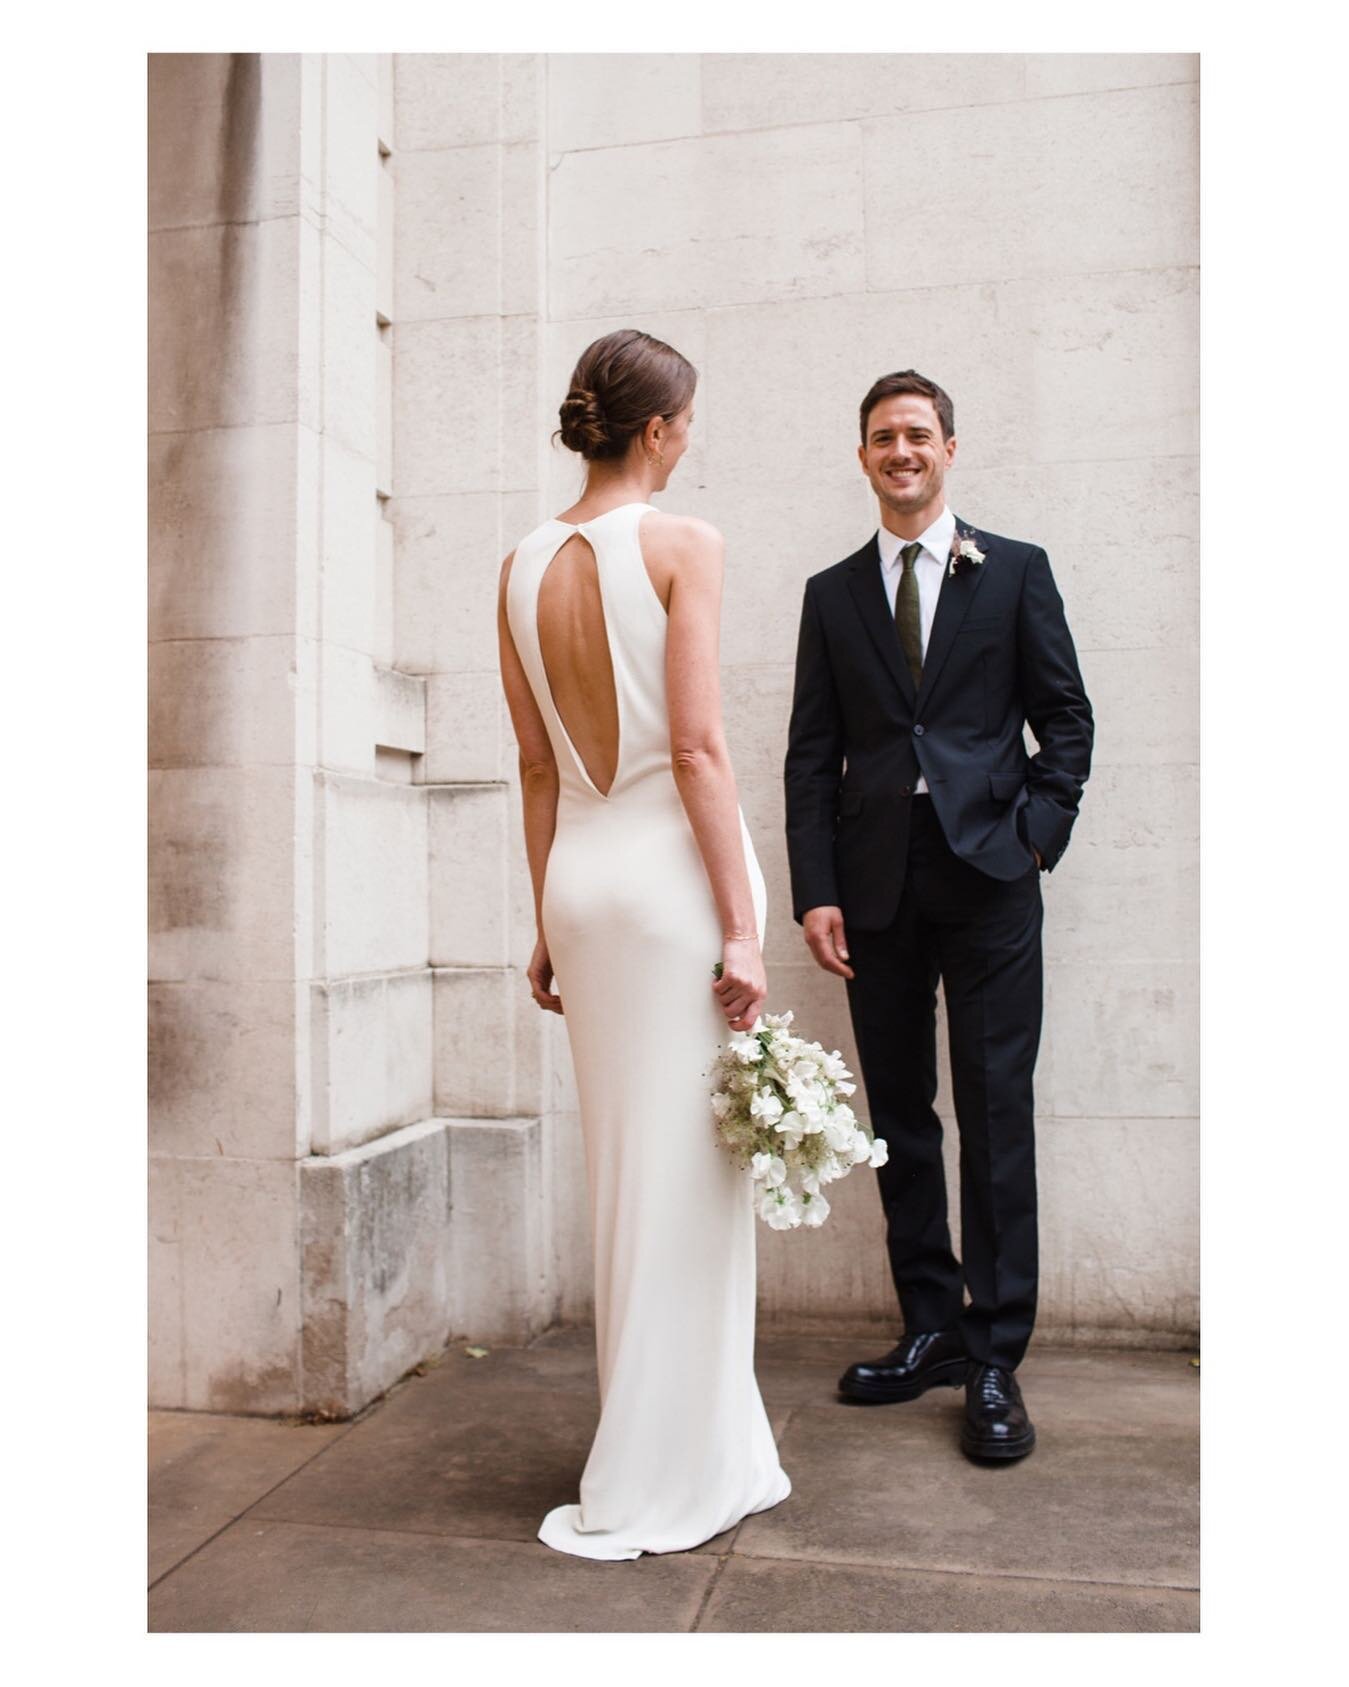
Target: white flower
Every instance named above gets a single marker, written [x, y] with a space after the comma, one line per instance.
[769, 1168]
[791, 1127]
[780, 1209]
[844, 1114]
[834, 1067]
[745, 1047]
[879, 1152]
[721, 1103]
[861, 1148]
[814, 1211]
[839, 1134]
[765, 1104]
[845, 1088]
[966, 550]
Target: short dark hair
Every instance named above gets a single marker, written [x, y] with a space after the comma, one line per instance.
[621, 381]
[909, 380]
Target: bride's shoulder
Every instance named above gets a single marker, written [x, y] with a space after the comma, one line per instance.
[681, 537]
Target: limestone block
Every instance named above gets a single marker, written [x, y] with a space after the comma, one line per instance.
[776, 538]
[499, 1229]
[448, 554]
[1122, 539]
[1119, 1201]
[240, 1285]
[822, 356]
[377, 1269]
[384, 240]
[230, 702]
[521, 350]
[400, 711]
[350, 154]
[224, 132]
[840, 1274]
[349, 341]
[384, 116]
[764, 90]
[384, 377]
[1079, 73]
[373, 896]
[223, 533]
[349, 710]
[372, 1056]
[621, 99]
[490, 1055]
[523, 93]
[446, 99]
[227, 853]
[226, 1074]
[464, 738]
[1012, 190]
[447, 392]
[1128, 887]
[165, 1286]
[1114, 369]
[384, 586]
[1126, 1039]
[1146, 704]
[714, 221]
[563, 343]
[468, 866]
[224, 301]
[522, 217]
[449, 233]
[350, 517]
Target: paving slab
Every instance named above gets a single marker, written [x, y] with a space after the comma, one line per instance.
[480, 1447]
[269, 1578]
[767, 1596]
[206, 1468]
[1110, 1493]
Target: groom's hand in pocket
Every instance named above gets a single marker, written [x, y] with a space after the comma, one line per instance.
[827, 940]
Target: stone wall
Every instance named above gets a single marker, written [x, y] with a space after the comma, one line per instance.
[370, 277]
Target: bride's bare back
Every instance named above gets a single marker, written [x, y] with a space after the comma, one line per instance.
[574, 644]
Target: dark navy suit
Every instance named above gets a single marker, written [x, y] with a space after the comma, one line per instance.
[943, 886]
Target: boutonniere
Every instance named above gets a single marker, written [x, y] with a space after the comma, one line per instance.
[965, 552]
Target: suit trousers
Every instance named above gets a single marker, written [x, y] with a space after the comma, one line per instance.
[981, 937]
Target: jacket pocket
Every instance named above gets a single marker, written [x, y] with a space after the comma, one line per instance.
[1002, 787]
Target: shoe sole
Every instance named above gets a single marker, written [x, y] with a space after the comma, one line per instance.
[995, 1452]
[949, 1374]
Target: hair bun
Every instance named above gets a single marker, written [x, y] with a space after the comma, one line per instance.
[584, 427]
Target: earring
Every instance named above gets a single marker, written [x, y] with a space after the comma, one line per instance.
[656, 460]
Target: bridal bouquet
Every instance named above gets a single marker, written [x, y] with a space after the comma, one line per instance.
[780, 1108]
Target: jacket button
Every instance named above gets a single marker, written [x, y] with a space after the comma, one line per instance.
[905, 791]
[918, 731]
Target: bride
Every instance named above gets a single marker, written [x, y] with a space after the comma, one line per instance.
[644, 876]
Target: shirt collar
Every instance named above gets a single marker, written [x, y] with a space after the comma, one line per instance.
[936, 541]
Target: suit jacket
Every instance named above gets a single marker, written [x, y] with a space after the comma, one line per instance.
[999, 655]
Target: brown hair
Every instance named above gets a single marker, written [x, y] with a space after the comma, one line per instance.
[909, 380]
[619, 384]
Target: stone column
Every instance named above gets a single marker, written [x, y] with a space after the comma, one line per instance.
[317, 1228]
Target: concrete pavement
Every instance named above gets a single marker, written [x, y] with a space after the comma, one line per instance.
[420, 1514]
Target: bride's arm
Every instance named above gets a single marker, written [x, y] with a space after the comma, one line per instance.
[701, 762]
[538, 787]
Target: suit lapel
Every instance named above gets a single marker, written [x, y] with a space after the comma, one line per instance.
[957, 593]
[868, 590]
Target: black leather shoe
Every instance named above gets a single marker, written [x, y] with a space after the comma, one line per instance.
[996, 1425]
[931, 1359]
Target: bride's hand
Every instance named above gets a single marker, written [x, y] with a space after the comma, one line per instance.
[540, 976]
[743, 985]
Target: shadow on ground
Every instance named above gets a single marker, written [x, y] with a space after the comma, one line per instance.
[421, 1516]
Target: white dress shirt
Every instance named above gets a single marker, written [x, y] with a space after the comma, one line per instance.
[930, 567]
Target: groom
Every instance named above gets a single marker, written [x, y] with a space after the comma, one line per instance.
[917, 829]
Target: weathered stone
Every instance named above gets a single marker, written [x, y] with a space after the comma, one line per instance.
[468, 875]
[376, 1266]
[621, 99]
[374, 854]
[371, 1042]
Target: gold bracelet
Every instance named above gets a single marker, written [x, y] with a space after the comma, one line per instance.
[740, 937]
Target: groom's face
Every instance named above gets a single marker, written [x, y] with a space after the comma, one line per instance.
[905, 457]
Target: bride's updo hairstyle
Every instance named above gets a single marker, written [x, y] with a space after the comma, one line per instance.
[620, 383]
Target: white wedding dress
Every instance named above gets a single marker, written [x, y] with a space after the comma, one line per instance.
[683, 1449]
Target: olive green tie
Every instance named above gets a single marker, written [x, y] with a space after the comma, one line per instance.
[908, 619]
